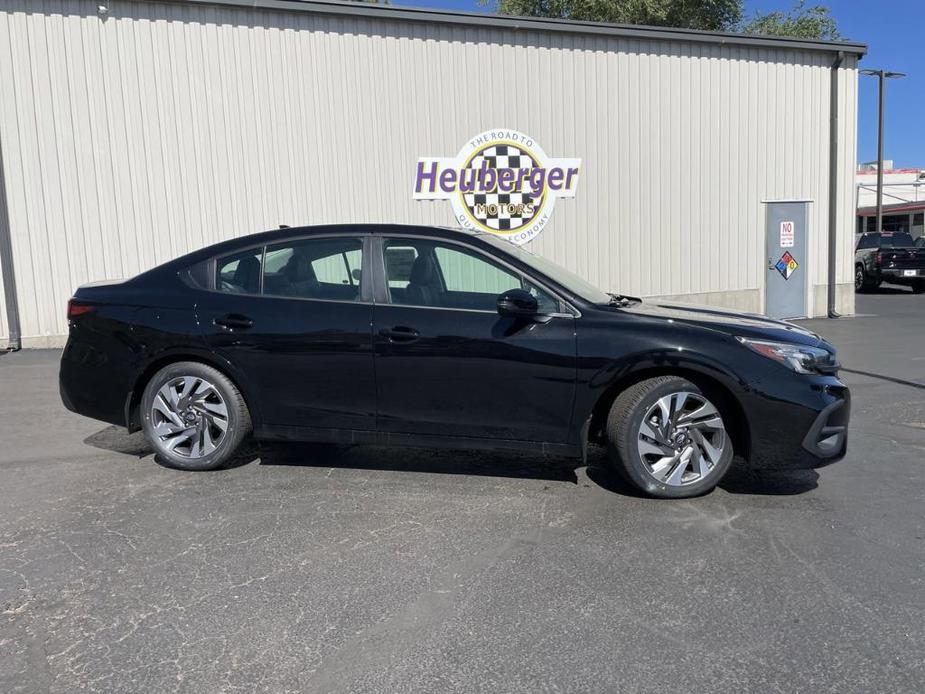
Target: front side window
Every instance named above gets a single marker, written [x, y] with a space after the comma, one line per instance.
[422, 272]
[568, 279]
[328, 268]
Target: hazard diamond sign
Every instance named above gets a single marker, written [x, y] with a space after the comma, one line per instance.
[787, 265]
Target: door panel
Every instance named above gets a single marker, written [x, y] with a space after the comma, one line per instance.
[309, 360]
[445, 371]
[470, 373]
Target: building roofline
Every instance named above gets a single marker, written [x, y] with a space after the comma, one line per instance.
[912, 206]
[873, 172]
[511, 23]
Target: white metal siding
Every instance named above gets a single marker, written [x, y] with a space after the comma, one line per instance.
[130, 140]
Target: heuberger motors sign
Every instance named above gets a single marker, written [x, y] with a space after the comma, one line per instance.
[501, 182]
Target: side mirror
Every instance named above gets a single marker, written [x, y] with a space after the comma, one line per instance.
[517, 303]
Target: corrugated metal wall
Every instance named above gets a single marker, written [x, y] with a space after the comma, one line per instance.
[165, 127]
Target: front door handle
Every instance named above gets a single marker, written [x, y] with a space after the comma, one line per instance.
[234, 321]
[400, 333]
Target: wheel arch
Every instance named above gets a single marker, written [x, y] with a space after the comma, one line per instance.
[712, 386]
[146, 373]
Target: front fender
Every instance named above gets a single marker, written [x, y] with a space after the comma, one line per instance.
[612, 360]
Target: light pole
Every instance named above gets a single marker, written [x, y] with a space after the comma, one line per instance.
[882, 76]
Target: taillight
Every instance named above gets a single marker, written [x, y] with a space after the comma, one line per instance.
[75, 309]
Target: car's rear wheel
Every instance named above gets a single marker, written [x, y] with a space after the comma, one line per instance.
[862, 281]
[194, 416]
[668, 438]
[918, 287]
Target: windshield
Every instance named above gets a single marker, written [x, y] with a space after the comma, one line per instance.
[568, 279]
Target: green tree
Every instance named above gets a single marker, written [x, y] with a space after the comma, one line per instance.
[801, 22]
[713, 15]
[813, 22]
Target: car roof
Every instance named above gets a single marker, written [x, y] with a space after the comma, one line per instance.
[284, 233]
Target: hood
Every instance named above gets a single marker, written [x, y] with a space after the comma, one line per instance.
[736, 324]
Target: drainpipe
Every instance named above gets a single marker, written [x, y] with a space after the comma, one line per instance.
[6, 267]
[833, 182]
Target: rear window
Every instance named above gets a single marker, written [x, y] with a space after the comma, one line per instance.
[889, 239]
[896, 240]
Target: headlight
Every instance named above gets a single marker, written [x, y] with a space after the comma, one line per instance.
[799, 358]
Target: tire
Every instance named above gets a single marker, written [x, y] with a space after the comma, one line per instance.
[918, 288]
[665, 460]
[193, 416]
[863, 281]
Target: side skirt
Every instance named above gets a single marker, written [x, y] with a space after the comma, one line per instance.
[385, 438]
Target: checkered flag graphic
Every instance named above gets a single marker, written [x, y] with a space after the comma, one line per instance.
[497, 210]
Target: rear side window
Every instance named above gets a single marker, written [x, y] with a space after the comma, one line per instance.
[328, 268]
[239, 273]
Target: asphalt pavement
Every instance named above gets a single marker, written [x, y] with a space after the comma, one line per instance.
[377, 570]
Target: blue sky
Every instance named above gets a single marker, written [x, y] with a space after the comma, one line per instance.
[894, 31]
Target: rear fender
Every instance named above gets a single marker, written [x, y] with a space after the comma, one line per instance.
[187, 352]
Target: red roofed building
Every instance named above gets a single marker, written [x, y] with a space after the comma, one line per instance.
[903, 199]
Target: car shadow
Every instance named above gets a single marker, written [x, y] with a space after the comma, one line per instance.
[889, 289]
[114, 438]
[739, 480]
[742, 479]
[427, 460]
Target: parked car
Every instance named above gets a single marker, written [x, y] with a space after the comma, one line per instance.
[888, 257]
[432, 337]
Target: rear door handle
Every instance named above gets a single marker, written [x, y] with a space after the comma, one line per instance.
[234, 321]
[400, 333]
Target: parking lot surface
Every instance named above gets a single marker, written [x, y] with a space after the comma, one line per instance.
[377, 570]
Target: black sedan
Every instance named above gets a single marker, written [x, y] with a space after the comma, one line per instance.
[441, 338]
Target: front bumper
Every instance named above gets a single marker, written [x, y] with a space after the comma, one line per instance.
[800, 423]
[827, 438]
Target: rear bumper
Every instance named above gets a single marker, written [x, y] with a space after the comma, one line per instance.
[898, 276]
[91, 385]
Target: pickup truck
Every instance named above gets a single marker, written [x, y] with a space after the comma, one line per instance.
[888, 257]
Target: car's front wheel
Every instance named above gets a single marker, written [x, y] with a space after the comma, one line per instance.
[194, 416]
[668, 438]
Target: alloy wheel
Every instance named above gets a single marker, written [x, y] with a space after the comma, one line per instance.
[681, 439]
[858, 278]
[189, 417]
